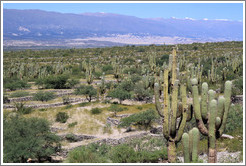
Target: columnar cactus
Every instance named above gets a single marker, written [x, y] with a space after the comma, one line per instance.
[173, 110]
[89, 75]
[152, 62]
[215, 118]
[190, 145]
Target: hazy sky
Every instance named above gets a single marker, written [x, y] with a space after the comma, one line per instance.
[231, 11]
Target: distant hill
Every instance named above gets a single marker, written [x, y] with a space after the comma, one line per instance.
[43, 26]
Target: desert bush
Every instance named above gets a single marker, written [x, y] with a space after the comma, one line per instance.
[123, 154]
[70, 125]
[107, 69]
[85, 154]
[25, 138]
[56, 82]
[14, 84]
[66, 100]
[142, 94]
[68, 106]
[22, 109]
[235, 119]
[237, 88]
[43, 96]
[115, 108]
[83, 104]
[71, 137]
[5, 100]
[141, 119]
[19, 94]
[96, 110]
[62, 117]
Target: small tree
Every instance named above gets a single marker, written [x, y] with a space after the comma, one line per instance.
[115, 108]
[88, 90]
[120, 94]
[44, 96]
[25, 138]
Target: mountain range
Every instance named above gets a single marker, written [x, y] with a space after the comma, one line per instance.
[37, 27]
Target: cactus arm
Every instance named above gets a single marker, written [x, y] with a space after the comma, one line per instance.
[166, 105]
[211, 95]
[174, 108]
[174, 66]
[157, 100]
[196, 106]
[185, 141]
[227, 94]
[211, 130]
[204, 98]
[217, 123]
[221, 103]
[195, 141]
[190, 142]
[184, 113]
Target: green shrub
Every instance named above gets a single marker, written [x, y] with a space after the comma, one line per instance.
[43, 109]
[123, 154]
[107, 69]
[25, 138]
[115, 108]
[96, 110]
[141, 93]
[145, 156]
[83, 104]
[19, 94]
[56, 82]
[139, 107]
[22, 109]
[71, 137]
[70, 125]
[68, 106]
[14, 84]
[66, 100]
[237, 88]
[235, 119]
[85, 154]
[71, 83]
[141, 119]
[43, 96]
[62, 117]
[5, 99]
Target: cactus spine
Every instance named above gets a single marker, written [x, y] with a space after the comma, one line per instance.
[190, 145]
[215, 118]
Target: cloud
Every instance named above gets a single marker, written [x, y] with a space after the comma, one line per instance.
[188, 18]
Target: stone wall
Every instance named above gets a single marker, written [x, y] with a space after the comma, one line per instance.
[78, 137]
[48, 105]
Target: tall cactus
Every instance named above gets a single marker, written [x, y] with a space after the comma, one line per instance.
[215, 118]
[89, 75]
[173, 110]
[190, 145]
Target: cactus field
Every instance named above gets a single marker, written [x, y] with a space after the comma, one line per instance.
[131, 104]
